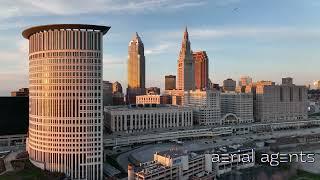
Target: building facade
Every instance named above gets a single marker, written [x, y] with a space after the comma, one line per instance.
[116, 88]
[153, 91]
[206, 106]
[201, 69]
[107, 93]
[170, 82]
[148, 99]
[185, 65]
[136, 69]
[117, 94]
[154, 99]
[131, 119]
[245, 81]
[239, 104]
[65, 119]
[274, 103]
[229, 85]
[176, 96]
[287, 81]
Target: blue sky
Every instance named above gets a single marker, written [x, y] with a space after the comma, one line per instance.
[266, 40]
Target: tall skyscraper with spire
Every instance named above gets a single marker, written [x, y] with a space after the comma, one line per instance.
[185, 65]
[136, 69]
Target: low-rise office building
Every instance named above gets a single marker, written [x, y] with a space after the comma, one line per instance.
[143, 118]
[178, 164]
[171, 164]
[23, 92]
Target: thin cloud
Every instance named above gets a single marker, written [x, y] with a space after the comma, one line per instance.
[109, 60]
[161, 48]
[74, 7]
[188, 4]
[15, 55]
[208, 33]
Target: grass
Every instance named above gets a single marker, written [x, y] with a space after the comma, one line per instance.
[303, 175]
[30, 172]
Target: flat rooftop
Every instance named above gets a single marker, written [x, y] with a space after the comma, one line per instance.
[150, 168]
[172, 153]
[232, 148]
[143, 107]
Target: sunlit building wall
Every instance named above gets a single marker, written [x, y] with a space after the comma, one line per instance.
[201, 69]
[65, 118]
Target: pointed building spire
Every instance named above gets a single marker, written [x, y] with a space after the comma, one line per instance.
[136, 37]
[185, 41]
[186, 34]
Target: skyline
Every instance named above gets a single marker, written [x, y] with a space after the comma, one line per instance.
[234, 33]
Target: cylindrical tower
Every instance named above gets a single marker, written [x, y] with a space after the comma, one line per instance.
[66, 112]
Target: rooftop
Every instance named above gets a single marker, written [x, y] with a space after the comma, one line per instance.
[232, 148]
[172, 153]
[150, 168]
[32, 30]
[142, 107]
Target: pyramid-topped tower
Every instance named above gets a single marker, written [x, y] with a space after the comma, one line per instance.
[185, 65]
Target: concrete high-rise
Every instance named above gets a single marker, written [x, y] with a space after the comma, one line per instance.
[107, 93]
[66, 115]
[287, 81]
[229, 85]
[185, 65]
[136, 69]
[170, 82]
[201, 69]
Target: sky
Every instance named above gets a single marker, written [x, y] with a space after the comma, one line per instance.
[266, 40]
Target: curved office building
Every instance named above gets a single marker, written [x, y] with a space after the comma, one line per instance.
[66, 113]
